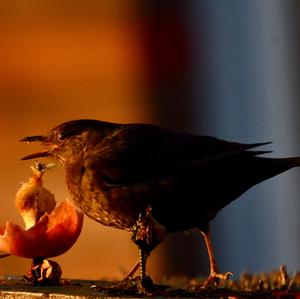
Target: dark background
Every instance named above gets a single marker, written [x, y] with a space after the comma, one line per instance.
[224, 68]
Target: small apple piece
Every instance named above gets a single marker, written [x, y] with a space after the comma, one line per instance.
[33, 200]
[50, 230]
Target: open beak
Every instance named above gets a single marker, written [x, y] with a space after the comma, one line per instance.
[39, 138]
[36, 155]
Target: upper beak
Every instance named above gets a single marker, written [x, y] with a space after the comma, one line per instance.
[34, 138]
[39, 138]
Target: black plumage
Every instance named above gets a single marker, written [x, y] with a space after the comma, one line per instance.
[115, 172]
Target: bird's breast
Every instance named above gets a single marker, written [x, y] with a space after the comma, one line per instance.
[112, 206]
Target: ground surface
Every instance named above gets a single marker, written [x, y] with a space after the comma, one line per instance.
[278, 284]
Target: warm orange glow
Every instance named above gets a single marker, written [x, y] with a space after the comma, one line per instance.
[95, 54]
[70, 52]
[63, 60]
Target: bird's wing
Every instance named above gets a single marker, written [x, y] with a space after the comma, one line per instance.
[144, 152]
[185, 151]
[125, 155]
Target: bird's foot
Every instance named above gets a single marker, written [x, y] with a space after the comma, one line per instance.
[130, 287]
[214, 279]
[128, 277]
[130, 274]
[147, 285]
[123, 286]
[149, 288]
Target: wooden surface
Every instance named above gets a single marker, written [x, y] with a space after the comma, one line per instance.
[17, 287]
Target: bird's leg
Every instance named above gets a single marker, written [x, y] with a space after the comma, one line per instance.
[147, 233]
[214, 275]
[143, 260]
[141, 234]
[146, 281]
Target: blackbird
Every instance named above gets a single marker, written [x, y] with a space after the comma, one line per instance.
[152, 181]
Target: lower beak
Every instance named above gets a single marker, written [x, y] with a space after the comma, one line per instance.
[36, 155]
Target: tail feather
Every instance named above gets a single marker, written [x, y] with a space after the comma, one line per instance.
[258, 153]
[292, 161]
[265, 168]
[252, 145]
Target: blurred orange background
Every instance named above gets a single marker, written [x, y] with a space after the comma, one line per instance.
[56, 65]
[223, 68]
[66, 60]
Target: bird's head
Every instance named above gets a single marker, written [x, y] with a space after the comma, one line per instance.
[67, 139]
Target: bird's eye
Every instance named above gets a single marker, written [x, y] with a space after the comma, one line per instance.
[61, 136]
[66, 133]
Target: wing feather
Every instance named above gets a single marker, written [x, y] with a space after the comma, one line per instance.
[135, 153]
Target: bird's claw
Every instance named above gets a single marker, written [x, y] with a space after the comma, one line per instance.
[130, 274]
[214, 279]
[147, 284]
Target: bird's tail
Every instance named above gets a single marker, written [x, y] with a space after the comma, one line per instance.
[291, 162]
[265, 167]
